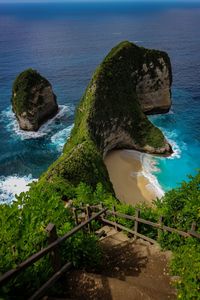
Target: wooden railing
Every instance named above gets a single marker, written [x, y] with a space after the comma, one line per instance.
[88, 216]
[53, 249]
[137, 220]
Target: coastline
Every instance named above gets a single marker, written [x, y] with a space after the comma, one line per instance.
[130, 174]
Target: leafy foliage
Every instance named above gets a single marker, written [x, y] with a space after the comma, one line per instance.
[186, 264]
[23, 233]
[180, 208]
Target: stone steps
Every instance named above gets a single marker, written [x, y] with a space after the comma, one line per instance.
[131, 270]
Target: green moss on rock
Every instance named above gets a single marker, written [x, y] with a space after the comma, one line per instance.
[22, 86]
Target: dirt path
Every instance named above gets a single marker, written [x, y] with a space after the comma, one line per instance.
[131, 270]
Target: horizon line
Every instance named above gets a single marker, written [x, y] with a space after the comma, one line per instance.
[96, 1]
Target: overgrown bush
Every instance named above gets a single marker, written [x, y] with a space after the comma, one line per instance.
[186, 264]
[23, 233]
[180, 208]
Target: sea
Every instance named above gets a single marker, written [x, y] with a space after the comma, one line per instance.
[65, 42]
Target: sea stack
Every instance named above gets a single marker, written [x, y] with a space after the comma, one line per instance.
[131, 82]
[33, 100]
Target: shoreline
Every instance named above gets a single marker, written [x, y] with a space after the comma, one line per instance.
[130, 174]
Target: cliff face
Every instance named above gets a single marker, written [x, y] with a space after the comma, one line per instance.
[110, 115]
[154, 83]
[33, 100]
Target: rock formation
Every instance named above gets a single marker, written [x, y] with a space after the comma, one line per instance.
[33, 100]
[131, 80]
[153, 85]
[111, 115]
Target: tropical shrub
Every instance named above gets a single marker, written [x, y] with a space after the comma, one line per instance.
[23, 233]
[186, 265]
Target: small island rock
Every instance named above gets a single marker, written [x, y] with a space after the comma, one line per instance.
[33, 100]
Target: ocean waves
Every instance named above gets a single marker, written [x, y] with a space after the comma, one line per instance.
[27, 154]
[172, 138]
[181, 129]
[149, 169]
[60, 138]
[13, 185]
[8, 118]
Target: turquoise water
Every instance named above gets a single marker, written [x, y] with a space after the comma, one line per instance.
[65, 43]
[181, 127]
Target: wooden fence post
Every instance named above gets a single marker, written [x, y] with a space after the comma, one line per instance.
[81, 204]
[52, 237]
[114, 210]
[194, 226]
[102, 207]
[160, 222]
[88, 215]
[137, 215]
[75, 215]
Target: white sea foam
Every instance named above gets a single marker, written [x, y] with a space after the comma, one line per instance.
[176, 150]
[60, 138]
[137, 41]
[171, 112]
[172, 137]
[13, 126]
[13, 185]
[149, 167]
[150, 162]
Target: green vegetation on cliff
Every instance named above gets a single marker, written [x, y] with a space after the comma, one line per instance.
[109, 116]
[22, 89]
[110, 102]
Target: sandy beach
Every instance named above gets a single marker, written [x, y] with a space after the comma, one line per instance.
[126, 173]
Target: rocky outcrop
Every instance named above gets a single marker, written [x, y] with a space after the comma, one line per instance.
[131, 80]
[33, 100]
[153, 85]
[110, 115]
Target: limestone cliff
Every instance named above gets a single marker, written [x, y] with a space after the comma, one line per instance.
[116, 96]
[33, 100]
[110, 115]
[153, 85]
